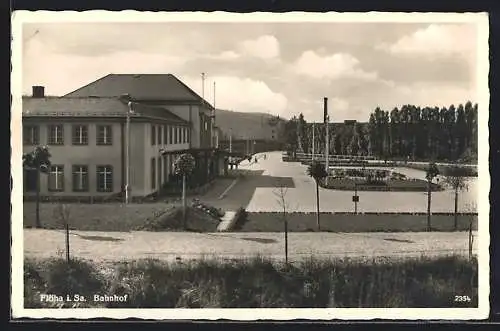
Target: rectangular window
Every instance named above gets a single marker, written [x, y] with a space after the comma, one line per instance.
[31, 135]
[56, 178]
[170, 134]
[188, 135]
[56, 135]
[104, 135]
[80, 178]
[153, 173]
[175, 135]
[160, 134]
[105, 178]
[80, 135]
[153, 135]
[165, 135]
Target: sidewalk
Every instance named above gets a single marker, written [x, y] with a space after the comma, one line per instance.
[112, 246]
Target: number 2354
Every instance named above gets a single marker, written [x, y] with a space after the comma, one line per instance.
[462, 298]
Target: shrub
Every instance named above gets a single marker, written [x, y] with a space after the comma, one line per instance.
[57, 276]
[75, 277]
[240, 218]
[34, 285]
[260, 282]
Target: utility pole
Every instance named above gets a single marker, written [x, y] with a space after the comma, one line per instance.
[313, 142]
[203, 86]
[327, 143]
[231, 147]
[214, 136]
[127, 154]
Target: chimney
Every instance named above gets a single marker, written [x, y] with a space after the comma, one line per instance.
[325, 109]
[38, 91]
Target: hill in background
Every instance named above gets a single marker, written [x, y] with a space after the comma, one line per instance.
[248, 125]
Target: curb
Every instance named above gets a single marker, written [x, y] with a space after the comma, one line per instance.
[226, 191]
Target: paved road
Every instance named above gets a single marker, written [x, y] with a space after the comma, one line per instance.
[114, 246]
[301, 197]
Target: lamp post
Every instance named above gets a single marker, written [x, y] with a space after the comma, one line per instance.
[213, 136]
[327, 143]
[313, 142]
[127, 153]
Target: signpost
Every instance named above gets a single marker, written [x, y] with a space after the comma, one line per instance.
[355, 198]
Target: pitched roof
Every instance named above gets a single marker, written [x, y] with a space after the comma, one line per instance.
[92, 107]
[139, 87]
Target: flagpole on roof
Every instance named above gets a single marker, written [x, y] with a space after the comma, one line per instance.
[216, 143]
[203, 87]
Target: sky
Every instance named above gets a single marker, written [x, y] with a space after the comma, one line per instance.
[278, 68]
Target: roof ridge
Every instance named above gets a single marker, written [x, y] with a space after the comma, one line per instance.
[82, 87]
[196, 95]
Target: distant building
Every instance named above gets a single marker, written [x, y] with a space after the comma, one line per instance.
[86, 134]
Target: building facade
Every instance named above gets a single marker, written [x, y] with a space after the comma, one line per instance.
[86, 133]
[87, 142]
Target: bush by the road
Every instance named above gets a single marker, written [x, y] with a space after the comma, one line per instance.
[258, 282]
[362, 222]
[173, 220]
[460, 170]
[408, 185]
[240, 218]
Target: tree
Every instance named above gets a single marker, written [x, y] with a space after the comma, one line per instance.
[63, 212]
[184, 166]
[317, 171]
[280, 193]
[291, 135]
[430, 173]
[37, 160]
[456, 180]
[394, 132]
[354, 144]
[302, 132]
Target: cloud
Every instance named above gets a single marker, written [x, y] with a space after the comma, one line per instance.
[264, 47]
[224, 56]
[285, 71]
[339, 104]
[334, 66]
[436, 39]
[61, 73]
[240, 94]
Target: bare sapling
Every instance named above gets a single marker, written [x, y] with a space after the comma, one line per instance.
[63, 213]
[280, 193]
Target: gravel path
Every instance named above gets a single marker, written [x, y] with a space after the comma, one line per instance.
[113, 246]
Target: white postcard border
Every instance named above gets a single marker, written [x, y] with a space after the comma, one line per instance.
[482, 312]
